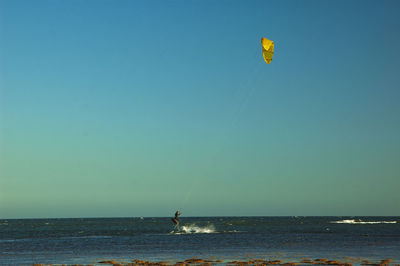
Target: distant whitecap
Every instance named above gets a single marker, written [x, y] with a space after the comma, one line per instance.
[352, 221]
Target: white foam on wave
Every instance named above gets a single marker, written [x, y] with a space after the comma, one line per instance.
[352, 221]
[195, 229]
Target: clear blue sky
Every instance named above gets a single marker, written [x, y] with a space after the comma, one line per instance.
[137, 108]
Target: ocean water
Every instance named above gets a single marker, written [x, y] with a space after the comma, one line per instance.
[90, 240]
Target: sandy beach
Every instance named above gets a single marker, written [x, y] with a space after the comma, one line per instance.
[200, 261]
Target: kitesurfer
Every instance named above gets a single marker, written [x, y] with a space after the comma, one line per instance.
[176, 219]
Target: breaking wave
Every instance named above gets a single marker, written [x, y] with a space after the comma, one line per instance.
[195, 229]
[363, 222]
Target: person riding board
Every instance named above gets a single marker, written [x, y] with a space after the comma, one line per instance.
[176, 219]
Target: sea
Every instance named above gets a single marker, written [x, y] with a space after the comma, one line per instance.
[222, 239]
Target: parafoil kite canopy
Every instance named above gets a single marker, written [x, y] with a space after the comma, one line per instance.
[268, 49]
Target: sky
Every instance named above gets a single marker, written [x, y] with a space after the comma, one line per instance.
[140, 108]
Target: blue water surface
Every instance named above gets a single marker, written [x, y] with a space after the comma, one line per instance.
[90, 240]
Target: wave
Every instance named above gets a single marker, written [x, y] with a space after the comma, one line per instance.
[195, 229]
[362, 222]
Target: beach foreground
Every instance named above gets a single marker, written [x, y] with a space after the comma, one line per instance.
[200, 261]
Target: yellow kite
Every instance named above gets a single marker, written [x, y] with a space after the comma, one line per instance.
[268, 49]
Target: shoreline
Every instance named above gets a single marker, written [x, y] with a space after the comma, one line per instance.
[251, 261]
